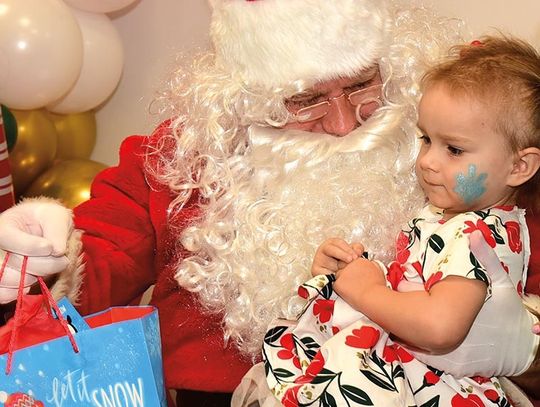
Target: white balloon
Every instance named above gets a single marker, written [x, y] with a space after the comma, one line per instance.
[99, 6]
[40, 52]
[103, 60]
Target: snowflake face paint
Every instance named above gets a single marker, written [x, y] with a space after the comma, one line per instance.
[470, 187]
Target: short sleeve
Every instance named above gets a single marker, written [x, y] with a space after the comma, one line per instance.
[447, 252]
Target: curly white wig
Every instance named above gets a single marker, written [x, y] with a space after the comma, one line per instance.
[268, 200]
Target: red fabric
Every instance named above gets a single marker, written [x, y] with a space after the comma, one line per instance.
[533, 278]
[129, 245]
[37, 325]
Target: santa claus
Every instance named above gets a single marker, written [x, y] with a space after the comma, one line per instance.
[298, 126]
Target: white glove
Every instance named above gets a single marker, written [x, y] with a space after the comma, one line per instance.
[501, 341]
[40, 230]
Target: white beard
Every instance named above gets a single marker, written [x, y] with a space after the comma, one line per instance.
[292, 190]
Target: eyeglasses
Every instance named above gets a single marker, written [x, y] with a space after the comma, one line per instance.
[361, 98]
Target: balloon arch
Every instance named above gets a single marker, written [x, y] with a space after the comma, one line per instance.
[59, 60]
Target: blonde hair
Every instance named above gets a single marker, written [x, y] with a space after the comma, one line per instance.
[503, 73]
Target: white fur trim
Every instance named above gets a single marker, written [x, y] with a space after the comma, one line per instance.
[275, 42]
[69, 280]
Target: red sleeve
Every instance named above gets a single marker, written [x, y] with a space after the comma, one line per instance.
[119, 238]
[533, 277]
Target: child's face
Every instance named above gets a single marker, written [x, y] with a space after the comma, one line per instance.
[463, 163]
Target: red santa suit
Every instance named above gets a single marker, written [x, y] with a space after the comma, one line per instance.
[128, 245]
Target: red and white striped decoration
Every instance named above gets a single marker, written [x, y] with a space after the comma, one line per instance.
[7, 196]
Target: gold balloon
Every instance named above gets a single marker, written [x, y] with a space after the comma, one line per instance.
[67, 180]
[76, 134]
[35, 148]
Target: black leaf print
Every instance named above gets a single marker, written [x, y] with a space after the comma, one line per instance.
[327, 290]
[323, 376]
[495, 233]
[274, 334]
[356, 395]
[327, 400]
[398, 372]
[434, 402]
[378, 381]
[282, 373]
[436, 243]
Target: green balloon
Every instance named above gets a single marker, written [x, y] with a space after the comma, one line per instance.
[10, 127]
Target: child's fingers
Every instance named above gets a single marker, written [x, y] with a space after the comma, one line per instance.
[358, 249]
[339, 249]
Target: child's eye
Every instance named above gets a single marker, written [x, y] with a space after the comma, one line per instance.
[424, 139]
[455, 150]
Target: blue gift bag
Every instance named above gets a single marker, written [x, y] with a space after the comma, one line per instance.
[118, 363]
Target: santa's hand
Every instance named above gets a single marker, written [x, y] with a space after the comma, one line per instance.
[502, 328]
[38, 229]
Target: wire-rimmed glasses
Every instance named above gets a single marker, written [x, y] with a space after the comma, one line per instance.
[361, 99]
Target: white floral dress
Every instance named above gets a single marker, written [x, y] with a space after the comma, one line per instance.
[335, 356]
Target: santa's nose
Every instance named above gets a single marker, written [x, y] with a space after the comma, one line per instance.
[341, 117]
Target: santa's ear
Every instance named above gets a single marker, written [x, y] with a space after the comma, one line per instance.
[526, 165]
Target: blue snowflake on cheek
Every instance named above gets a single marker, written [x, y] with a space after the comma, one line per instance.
[471, 186]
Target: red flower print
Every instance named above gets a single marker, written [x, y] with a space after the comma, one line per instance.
[402, 354]
[394, 352]
[402, 253]
[432, 280]
[323, 310]
[395, 274]
[491, 395]
[472, 400]
[290, 399]
[505, 267]
[315, 366]
[364, 338]
[335, 330]
[482, 227]
[287, 342]
[418, 267]
[389, 354]
[520, 288]
[431, 378]
[480, 379]
[303, 292]
[514, 240]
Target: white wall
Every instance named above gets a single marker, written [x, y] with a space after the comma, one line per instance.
[153, 31]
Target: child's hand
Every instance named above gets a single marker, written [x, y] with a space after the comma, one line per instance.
[357, 279]
[334, 254]
[536, 328]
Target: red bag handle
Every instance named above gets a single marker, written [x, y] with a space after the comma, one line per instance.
[16, 317]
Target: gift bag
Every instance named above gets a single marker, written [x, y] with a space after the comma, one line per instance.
[111, 358]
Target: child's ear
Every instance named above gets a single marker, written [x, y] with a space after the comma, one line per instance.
[526, 165]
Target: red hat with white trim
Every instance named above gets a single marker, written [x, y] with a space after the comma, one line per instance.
[275, 42]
